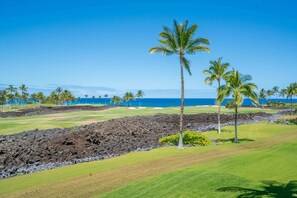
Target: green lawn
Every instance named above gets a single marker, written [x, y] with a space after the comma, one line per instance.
[270, 154]
[18, 107]
[69, 119]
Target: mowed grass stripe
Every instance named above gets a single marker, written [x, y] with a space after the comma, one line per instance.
[98, 183]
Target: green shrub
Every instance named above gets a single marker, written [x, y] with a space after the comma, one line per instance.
[189, 137]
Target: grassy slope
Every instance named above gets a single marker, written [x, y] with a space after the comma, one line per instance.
[193, 170]
[16, 125]
[246, 171]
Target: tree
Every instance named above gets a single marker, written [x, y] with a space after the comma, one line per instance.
[291, 91]
[34, 97]
[270, 93]
[41, 97]
[3, 98]
[262, 95]
[181, 41]
[275, 90]
[217, 71]
[139, 95]
[11, 92]
[24, 93]
[58, 92]
[239, 86]
[116, 100]
[128, 96]
[283, 92]
[86, 95]
[66, 96]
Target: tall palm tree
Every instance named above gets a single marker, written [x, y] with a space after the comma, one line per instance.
[3, 98]
[270, 93]
[128, 96]
[139, 95]
[239, 86]
[11, 93]
[262, 95]
[217, 71]
[24, 93]
[291, 91]
[41, 97]
[181, 41]
[59, 91]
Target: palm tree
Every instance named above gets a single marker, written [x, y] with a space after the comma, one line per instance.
[181, 41]
[239, 86]
[139, 95]
[105, 96]
[11, 93]
[262, 95]
[24, 93]
[66, 96]
[291, 91]
[86, 95]
[115, 100]
[217, 71]
[3, 98]
[41, 97]
[283, 92]
[59, 91]
[276, 93]
[270, 93]
[128, 96]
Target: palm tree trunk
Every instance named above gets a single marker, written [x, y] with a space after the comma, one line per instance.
[219, 112]
[3, 107]
[181, 120]
[235, 124]
[291, 104]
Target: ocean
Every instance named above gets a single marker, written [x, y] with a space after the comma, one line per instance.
[169, 102]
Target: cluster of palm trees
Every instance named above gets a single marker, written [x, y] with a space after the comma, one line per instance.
[235, 84]
[288, 92]
[181, 41]
[14, 96]
[60, 96]
[127, 98]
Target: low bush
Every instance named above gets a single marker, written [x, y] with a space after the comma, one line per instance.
[189, 137]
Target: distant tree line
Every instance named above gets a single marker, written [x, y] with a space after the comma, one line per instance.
[127, 98]
[20, 96]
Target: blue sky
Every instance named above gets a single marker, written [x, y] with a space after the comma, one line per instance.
[105, 44]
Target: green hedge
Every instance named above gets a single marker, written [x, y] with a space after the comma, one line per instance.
[189, 137]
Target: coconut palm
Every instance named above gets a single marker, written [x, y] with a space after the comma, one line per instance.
[86, 95]
[270, 93]
[181, 41]
[239, 86]
[24, 93]
[283, 92]
[291, 91]
[59, 91]
[217, 72]
[3, 98]
[116, 100]
[262, 95]
[41, 97]
[139, 95]
[66, 96]
[11, 93]
[128, 97]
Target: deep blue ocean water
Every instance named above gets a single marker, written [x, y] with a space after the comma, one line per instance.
[169, 102]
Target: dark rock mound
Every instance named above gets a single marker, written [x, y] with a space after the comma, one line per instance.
[37, 150]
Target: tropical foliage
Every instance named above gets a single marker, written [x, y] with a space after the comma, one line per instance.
[181, 41]
[238, 86]
[217, 72]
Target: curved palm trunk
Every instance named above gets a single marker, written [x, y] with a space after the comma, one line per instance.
[291, 104]
[219, 111]
[181, 120]
[235, 124]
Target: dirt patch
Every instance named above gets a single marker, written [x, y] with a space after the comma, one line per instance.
[34, 150]
[51, 110]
